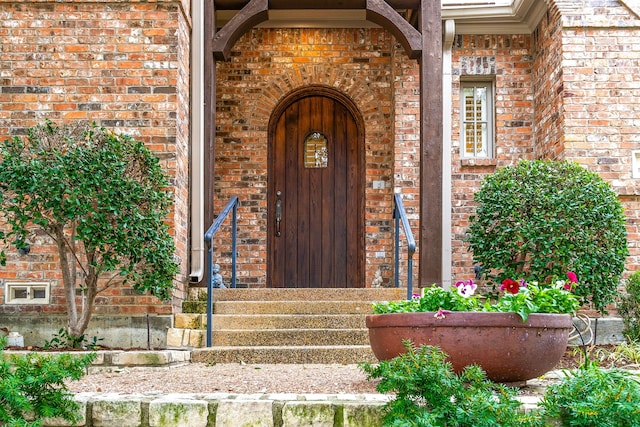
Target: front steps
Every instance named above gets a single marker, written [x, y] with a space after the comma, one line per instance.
[313, 325]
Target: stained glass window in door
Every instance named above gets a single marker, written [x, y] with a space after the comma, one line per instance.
[316, 153]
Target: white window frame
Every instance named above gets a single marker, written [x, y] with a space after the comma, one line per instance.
[488, 151]
[29, 288]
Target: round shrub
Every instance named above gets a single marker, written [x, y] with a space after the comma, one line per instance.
[538, 220]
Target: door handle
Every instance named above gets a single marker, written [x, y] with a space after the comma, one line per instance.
[278, 212]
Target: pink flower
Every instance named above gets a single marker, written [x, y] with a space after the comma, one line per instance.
[466, 288]
[441, 314]
[510, 285]
[573, 280]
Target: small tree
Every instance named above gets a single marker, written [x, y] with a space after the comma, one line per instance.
[101, 198]
[538, 220]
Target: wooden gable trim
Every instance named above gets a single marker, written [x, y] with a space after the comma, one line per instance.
[255, 12]
[379, 12]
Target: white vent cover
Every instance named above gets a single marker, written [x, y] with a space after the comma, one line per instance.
[23, 292]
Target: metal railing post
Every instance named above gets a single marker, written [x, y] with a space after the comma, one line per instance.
[232, 205]
[401, 216]
[209, 291]
[397, 246]
[234, 245]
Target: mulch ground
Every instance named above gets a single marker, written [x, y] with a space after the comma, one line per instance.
[607, 356]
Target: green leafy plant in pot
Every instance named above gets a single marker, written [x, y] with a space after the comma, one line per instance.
[518, 297]
[519, 336]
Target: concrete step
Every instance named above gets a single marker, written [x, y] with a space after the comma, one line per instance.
[282, 325]
[292, 307]
[290, 337]
[309, 294]
[270, 321]
[343, 354]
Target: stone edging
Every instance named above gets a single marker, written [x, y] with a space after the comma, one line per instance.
[228, 410]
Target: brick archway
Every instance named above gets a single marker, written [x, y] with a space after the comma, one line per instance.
[243, 130]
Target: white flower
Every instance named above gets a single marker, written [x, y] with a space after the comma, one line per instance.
[466, 288]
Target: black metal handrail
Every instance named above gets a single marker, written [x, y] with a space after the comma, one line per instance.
[400, 215]
[232, 206]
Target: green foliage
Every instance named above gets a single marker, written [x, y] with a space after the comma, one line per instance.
[528, 299]
[428, 393]
[629, 308]
[101, 197]
[63, 339]
[539, 219]
[592, 396]
[537, 299]
[32, 387]
[433, 298]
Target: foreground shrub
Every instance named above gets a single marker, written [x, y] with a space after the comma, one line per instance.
[32, 387]
[591, 396]
[428, 393]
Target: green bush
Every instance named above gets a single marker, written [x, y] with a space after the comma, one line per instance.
[32, 387]
[428, 393]
[538, 220]
[594, 397]
[101, 198]
[629, 308]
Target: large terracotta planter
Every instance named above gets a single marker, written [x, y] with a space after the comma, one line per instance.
[508, 349]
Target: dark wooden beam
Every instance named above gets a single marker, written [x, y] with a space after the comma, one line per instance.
[379, 12]
[255, 12]
[430, 240]
[307, 4]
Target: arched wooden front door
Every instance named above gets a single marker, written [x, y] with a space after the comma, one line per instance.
[315, 192]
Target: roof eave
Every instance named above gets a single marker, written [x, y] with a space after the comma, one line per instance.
[521, 17]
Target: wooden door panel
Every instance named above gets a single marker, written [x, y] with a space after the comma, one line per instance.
[319, 205]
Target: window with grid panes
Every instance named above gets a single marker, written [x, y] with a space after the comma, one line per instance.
[477, 119]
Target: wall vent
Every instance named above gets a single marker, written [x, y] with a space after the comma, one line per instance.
[18, 292]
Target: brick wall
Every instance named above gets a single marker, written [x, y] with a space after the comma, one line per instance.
[547, 80]
[124, 65]
[266, 64]
[406, 129]
[508, 60]
[568, 91]
[599, 90]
